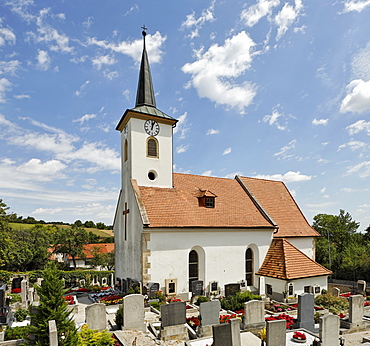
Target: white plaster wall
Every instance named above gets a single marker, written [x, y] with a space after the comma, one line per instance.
[141, 164]
[305, 244]
[224, 254]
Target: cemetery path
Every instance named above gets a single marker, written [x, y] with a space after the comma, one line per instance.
[356, 338]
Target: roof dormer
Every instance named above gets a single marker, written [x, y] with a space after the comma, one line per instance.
[206, 198]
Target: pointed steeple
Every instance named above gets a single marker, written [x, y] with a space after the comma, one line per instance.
[145, 91]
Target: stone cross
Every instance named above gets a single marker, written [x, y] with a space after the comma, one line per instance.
[125, 212]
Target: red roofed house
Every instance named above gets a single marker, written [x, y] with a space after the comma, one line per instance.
[174, 229]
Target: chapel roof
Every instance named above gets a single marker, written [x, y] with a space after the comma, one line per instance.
[284, 261]
[239, 203]
[101, 248]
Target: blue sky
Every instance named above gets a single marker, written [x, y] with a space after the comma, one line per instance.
[264, 88]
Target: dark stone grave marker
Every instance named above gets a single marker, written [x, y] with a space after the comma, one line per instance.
[173, 314]
[214, 286]
[222, 335]
[231, 289]
[152, 288]
[197, 287]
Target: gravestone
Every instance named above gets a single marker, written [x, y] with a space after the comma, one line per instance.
[173, 314]
[254, 315]
[197, 288]
[336, 292]
[133, 312]
[306, 312]
[2, 295]
[361, 286]
[227, 334]
[209, 315]
[96, 316]
[31, 295]
[262, 286]
[276, 333]
[356, 313]
[329, 330]
[214, 286]
[231, 289]
[53, 333]
[24, 293]
[16, 283]
[152, 288]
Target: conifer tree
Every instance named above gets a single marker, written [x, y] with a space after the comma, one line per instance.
[52, 307]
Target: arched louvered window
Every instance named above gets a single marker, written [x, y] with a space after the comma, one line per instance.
[125, 151]
[193, 267]
[249, 266]
[152, 147]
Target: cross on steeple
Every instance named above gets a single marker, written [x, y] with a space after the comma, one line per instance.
[125, 212]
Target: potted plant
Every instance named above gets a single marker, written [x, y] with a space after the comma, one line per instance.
[299, 337]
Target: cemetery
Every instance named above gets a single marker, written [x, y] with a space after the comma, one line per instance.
[149, 317]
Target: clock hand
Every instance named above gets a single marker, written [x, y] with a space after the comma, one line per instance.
[152, 124]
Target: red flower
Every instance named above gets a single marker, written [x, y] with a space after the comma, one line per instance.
[299, 336]
[16, 290]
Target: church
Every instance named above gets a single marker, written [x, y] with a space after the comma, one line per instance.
[181, 230]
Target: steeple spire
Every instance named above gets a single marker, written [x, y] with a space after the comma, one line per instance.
[145, 91]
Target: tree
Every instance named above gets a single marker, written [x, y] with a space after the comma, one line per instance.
[71, 241]
[78, 223]
[89, 224]
[53, 306]
[102, 259]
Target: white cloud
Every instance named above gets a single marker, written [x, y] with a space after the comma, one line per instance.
[227, 151]
[133, 8]
[6, 36]
[363, 168]
[287, 16]
[22, 96]
[134, 49]
[353, 145]
[88, 22]
[214, 72]
[232, 175]
[48, 211]
[323, 190]
[182, 126]
[360, 63]
[182, 148]
[283, 150]
[5, 85]
[358, 126]
[213, 132]
[320, 122]
[286, 178]
[254, 13]
[273, 119]
[99, 61]
[207, 173]
[358, 97]
[196, 23]
[110, 74]
[42, 171]
[9, 67]
[43, 60]
[350, 190]
[355, 5]
[82, 88]
[84, 118]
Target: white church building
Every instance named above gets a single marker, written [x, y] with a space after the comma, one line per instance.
[173, 229]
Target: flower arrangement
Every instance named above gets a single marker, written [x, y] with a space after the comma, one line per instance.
[193, 322]
[299, 336]
[70, 300]
[174, 300]
[262, 333]
[289, 320]
[16, 290]
[341, 315]
[367, 304]
[346, 295]
[277, 307]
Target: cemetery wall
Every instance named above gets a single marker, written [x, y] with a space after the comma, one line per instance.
[222, 257]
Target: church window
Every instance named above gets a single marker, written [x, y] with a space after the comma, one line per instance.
[125, 151]
[307, 289]
[193, 267]
[269, 289]
[152, 147]
[290, 290]
[152, 175]
[249, 267]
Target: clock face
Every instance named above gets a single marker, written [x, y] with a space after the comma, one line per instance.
[151, 127]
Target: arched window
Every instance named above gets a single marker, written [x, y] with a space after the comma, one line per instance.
[193, 267]
[152, 147]
[249, 266]
[125, 151]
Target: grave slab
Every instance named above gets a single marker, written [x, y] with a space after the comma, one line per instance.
[133, 312]
[96, 316]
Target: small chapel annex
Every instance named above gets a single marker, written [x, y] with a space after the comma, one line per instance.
[174, 229]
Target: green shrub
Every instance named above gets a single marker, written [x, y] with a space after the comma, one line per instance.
[92, 337]
[155, 305]
[235, 303]
[14, 297]
[201, 299]
[119, 317]
[21, 315]
[16, 333]
[334, 304]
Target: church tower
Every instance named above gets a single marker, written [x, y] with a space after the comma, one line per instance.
[146, 160]
[146, 136]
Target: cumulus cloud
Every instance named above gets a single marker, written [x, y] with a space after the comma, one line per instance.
[9, 67]
[357, 99]
[215, 70]
[182, 148]
[134, 49]
[227, 151]
[360, 63]
[362, 168]
[196, 24]
[5, 85]
[286, 17]
[47, 211]
[358, 126]
[84, 118]
[254, 13]
[42, 171]
[320, 122]
[182, 126]
[213, 132]
[207, 173]
[355, 5]
[6, 36]
[101, 60]
[272, 119]
[43, 60]
[286, 178]
[353, 145]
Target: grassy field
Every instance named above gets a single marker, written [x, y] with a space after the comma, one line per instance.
[103, 233]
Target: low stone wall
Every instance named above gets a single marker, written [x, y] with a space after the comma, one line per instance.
[12, 342]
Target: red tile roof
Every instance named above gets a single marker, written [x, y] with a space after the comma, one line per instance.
[241, 202]
[284, 261]
[102, 247]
